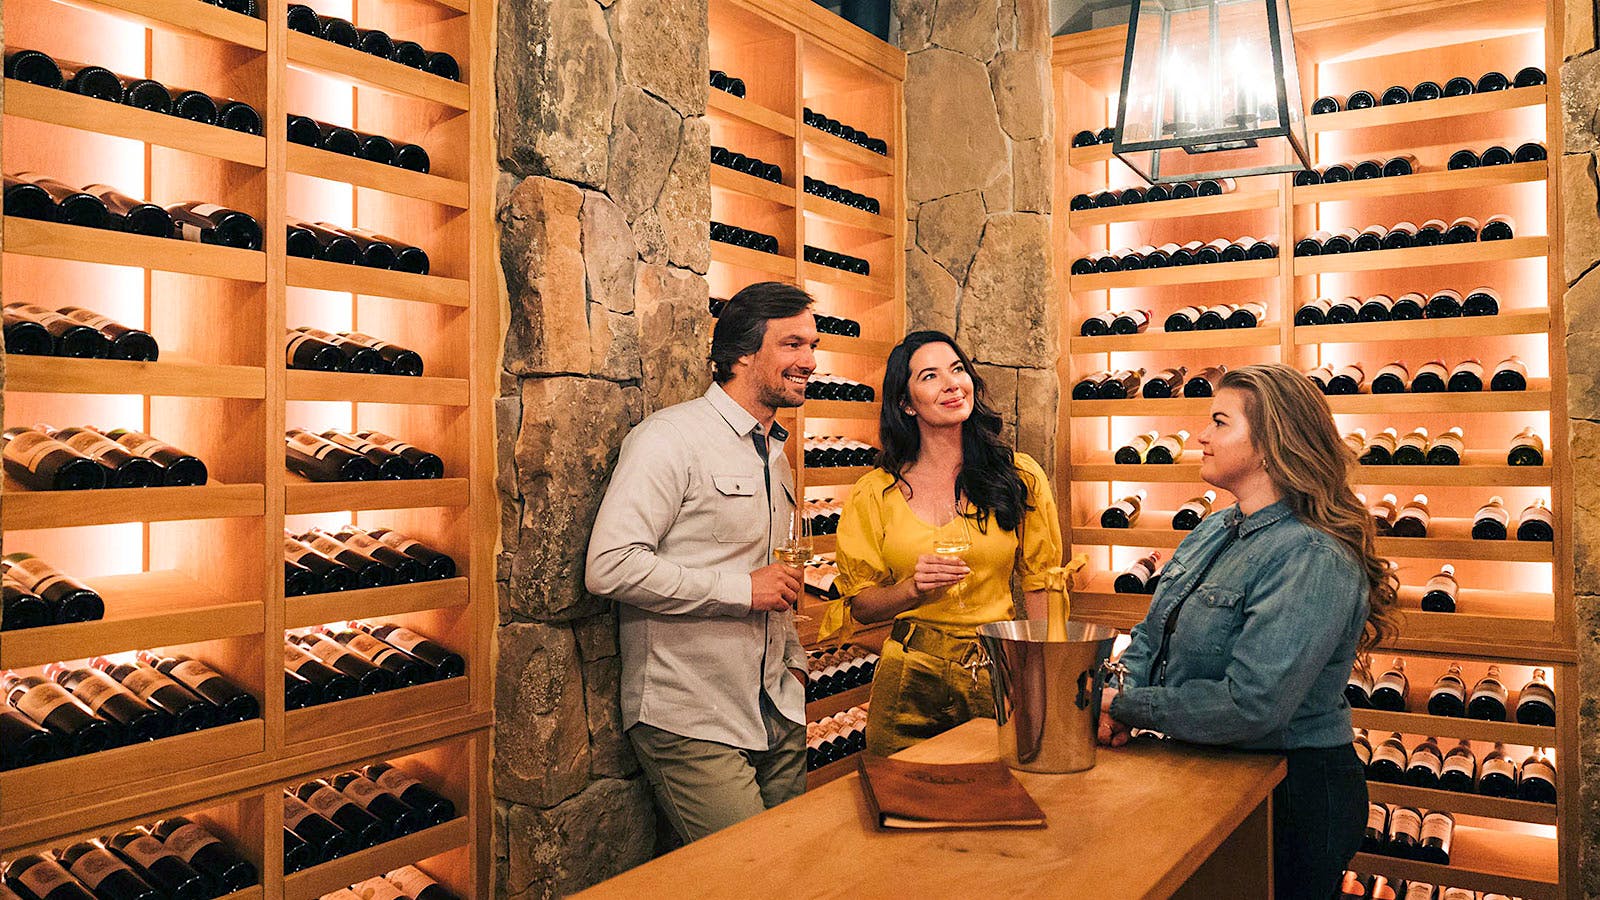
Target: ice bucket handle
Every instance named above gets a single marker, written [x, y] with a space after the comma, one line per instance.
[1110, 670]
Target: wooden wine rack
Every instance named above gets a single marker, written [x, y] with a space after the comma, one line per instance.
[792, 55]
[1516, 606]
[199, 569]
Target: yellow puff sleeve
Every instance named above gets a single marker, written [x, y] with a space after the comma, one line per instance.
[1041, 527]
[860, 554]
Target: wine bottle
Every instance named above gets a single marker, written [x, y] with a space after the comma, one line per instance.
[236, 115]
[1465, 377]
[1247, 315]
[33, 67]
[126, 343]
[400, 817]
[123, 468]
[1449, 694]
[1390, 691]
[39, 877]
[1205, 383]
[1447, 448]
[1165, 383]
[71, 599]
[1358, 689]
[1086, 389]
[1320, 376]
[445, 66]
[1495, 156]
[24, 742]
[1439, 594]
[1344, 311]
[424, 464]
[131, 215]
[1407, 307]
[390, 466]
[1459, 86]
[369, 572]
[438, 808]
[303, 350]
[1527, 449]
[1214, 318]
[1123, 384]
[1401, 236]
[1460, 769]
[407, 670]
[1413, 519]
[417, 885]
[1405, 832]
[1537, 783]
[1133, 452]
[1536, 702]
[1438, 828]
[1388, 761]
[1189, 515]
[337, 30]
[1463, 230]
[1343, 240]
[374, 254]
[1307, 178]
[105, 874]
[415, 158]
[1498, 228]
[24, 336]
[399, 360]
[1324, 105]
[71, 206]
[331, 245]
[161, 692]
[1431, 233]
[1497, 773]
[436, 565]
[375, 42]
[1380, 448]
[1490, 521]
[1311, 244]
[1493, 81]
[319, 459]
[1532, 151]
[209, 223]
[330, 575]
[53, 706]
[370, 678]
[1376, 308]
[205, 852]
[1383, 514]
[1313, 313]
[331, 684]
[1432, 378]
[1136, 578]
[1510, 374]
[1371, 237]
[28, 201]
[407, 569]
[1424, 764]
[1124, 513]
[236, 704]
[299, 693]
[1373, 838]
[1536, 523]
[1391, 379]
[1399, 166]
[42, 463]
[326, 840]
[22, 609]
[1098, 325]
[69, 337]
[1130, 196]
[109, 700]
[446, 663]
[1347, 380]
[1167, 450]
[1489, 698]
[1131, 322]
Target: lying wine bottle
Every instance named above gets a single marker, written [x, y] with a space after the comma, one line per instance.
[42, 463]
[71, 206]
[407, 258]
[161, 692]
[197, 846]
[44, 879]
[21, 609]
[369, 572]
[390, 465]
[445, 66]
[208, 223]
[69, 337]
[53, 706]
[90, 81]
[71, 599]
[133, 216]
[327, 840]
[446, 663]
[371, 679]
[425, 464]
[417, 885]
[330, 575]
[134, 344]
[143, 93]
[306, 351]
[236, 704]
[319, 459]
[160, 866]
[105, 873]
[24, 742]
[373, 254]
[375, 42]
[437, 565]
[332, 685]
[409, 568]
[401, 818]
[411, 54]
[438, 808]
[337, 30]
[368, 830]
[182, 469]
[407, 669]
[26, 337]
[331, 245]
[124, 469]
[33, 67]
[412, 157]
[109, 700]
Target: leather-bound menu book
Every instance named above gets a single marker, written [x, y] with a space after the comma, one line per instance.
[965, 795]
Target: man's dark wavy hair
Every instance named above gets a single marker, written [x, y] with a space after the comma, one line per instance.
[743, 324]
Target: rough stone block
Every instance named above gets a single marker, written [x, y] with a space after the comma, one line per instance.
[1584, 445]
[1038, 393]
[674, 335]
[948, 229]
[1581, 306]
[946, 87]
[1033, 26]
[665, 50]
[1578, 35]
[610, 753]
[1580, 101]
[555, 80]
[606, 830]
[1580, 214]
[685, 204]
[541, 738]
[916, 23]
[614, 344]
[1000, 387]
[1020, 80]
[1006, 315]
[1031, 176]
[968, 27]
[609, 254]
[931, 294]
[541, 258]
[644, 141]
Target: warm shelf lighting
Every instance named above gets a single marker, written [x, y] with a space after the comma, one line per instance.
[1210, 89]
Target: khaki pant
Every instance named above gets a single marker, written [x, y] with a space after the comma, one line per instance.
[704, 786]
[916, 695]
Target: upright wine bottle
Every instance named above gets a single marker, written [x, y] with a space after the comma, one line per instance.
[401, 818]
[1413, 519]
[1424, 764]
[51, 705]
[320, 459]
[207, 853]
[327, 840]
[1490, 521]
[1439, 594]
[1536, 523]
[1373, 838]
[1358, 690]
[1536, 702]
[1388, 761]
[1489, 697]
[42, 463]
[1390, 691]
[1189, 515]
[106, 874]
[72, 600]
[1537, 783]
[209, 223]
[1497, 774]
[161, 692]
[109, 700]
[424, 464]
[331, 684]
[1438, 828]
[1124, 513]
[438, 808]
[1447, 448]
[1527, 449]
[1449, 694]
[236, 704]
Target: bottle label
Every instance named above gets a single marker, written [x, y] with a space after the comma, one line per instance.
[396, 782]
[326, 801]
[39, 701]
[142, 444]
[294, 551]
[90, 443]
[1500, 765]
[328, 546]
[1472, 366]
[1377, 816]
[1538, 769]
[369, 646]
[377, 888]
[1439, 582]
[189, 840]
[34, 574]
[1390, 753]
[208, 209]
[1393, 681]
[191, 232]
[363, 791]
[1450, 689]
[89, 318]
[145, 850]
[1537, 692]
[327, 651]
[94, 692]
[351, 443]
[1438, 827]
[294, 657]
[411, 879]
[1405, 821]
[93, 867]
[1459, 763]
[399, 543]
[295, 812]
[1512, 365]
[29, 447]
[144, 682]
[1419, 890]
[1489, 690]
[43, 878]
[405, 639]
[386, 442]
[193, 672]
[1497, 513]
[1534, 513]
[1426, 761]
[311, 445]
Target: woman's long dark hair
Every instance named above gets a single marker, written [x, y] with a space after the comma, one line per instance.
[988, 476]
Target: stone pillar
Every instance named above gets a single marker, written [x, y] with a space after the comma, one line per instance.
[979, 126]
[603, 209]
[1580, 222]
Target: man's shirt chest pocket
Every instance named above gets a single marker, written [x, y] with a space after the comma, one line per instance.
[741, 514]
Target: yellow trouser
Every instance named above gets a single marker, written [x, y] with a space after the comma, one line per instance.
[924, 690]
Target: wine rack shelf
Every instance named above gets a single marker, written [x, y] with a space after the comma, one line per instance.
[1414, 257]
[28, 237]
[191, 18]
[1193, 208]
[140, 612]
[833, 343]
[25, 509]
[301, 496]
[726, 179]
[1525, 321]
[1422, 183]
[424, 390]
[840, 214]
[836, 476]
[314, 609]
[869, 284]
[326, 276]
[1208, 274]
[391, 708]
[726, 104]
[781, 267]
[169, 377]
[1515, 605]
[841, 409]
[822, 144]
[316, 881]
[834, 703]
[357, 172]
[57, 107]
[348, 64]
[1430, 111]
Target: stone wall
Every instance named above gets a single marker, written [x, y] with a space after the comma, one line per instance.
[1580, 220]
[979, 126]
[603, 207]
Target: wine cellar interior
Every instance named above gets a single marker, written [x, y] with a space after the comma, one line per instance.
[810, 154]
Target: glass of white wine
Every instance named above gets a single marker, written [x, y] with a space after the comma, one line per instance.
[794, 550]
[954, 538]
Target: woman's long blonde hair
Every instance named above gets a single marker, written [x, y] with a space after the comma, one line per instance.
[1309, 463]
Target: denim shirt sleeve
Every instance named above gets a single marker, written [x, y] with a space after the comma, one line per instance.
[1295, 616]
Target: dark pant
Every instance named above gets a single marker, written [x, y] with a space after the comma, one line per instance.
[1319, 812]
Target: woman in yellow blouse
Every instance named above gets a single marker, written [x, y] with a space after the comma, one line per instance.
[941, 454]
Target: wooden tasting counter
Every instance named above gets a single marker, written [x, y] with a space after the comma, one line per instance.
[1149, 820]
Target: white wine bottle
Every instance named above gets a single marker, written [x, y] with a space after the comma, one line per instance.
[1133, 453]
[1439, 594]
[1168, 450]
[1124, 513]
[1193, 510]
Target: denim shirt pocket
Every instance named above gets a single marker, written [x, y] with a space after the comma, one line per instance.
[1212, 615]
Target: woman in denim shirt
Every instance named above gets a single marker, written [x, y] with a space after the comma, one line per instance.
[1260, 612]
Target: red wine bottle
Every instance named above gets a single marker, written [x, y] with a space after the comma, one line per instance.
[104, 873]
[68, 336]
[374, 42]
[438, 808]
[327, 840]
[373, 254]
[72, 600]
[209, 223]
[446, 663]
[417, 885]
[123, 468]
[298, 581]
[370, 678]
[332, 247]
[406, 567]
[445, 66]
[71, 206]
[369, 572]
[368, 830]
[236, 115]
[23, 609]
[126, 343]
[401, 817]
[331, 684]
[143, 93]
[207, 853]
[306, 351]
[42, 463]
[161, 692]
[319, 459]
[297, 854]
[24, 742]
[411, 54]
[24, 336]
[36, 876]
[182, 469]
[236, 704]
[337, 30]
[53, 706]
[33, 67]
[398, 359]
[437, 565]
[424, 464]
[330, 575]
[413, 157]
[407, 257]
[390, 465]
[111, 701]
[299, 693]
[358, 358]
[407, 669]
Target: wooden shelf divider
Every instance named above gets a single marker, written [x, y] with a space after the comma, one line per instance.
[70, 110]
[722, 103]
[1422, 183]
[192, 18]
[29, 237]
[25, 509]
[315, 609]
[726, 179]
[168, 377]
[840, 214]
[1527, 321]
[364, 173]
[301, 496]
[1431, 110]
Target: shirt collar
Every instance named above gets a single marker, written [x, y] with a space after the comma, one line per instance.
[739, 418]
[1259, 519]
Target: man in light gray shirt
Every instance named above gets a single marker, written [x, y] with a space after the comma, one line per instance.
[701, 494]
